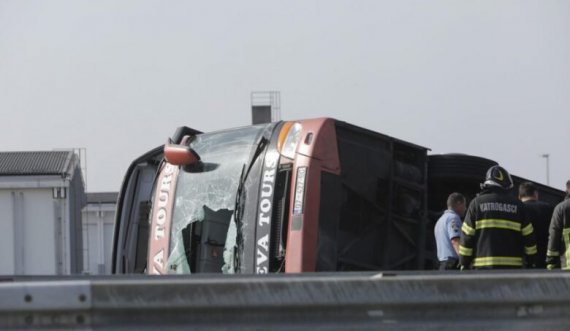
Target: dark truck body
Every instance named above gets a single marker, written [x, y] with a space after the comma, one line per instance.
[342, 198]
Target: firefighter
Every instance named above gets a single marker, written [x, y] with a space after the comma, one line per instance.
[559, 234]
[496, 232]
[540, 214]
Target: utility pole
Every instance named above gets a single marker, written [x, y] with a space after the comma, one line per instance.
[547, 157]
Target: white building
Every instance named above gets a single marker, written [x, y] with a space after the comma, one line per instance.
[41, 197]
[98, 225]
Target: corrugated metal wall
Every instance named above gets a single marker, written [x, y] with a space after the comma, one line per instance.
[98, 221]
[28, 232]
[77, 201]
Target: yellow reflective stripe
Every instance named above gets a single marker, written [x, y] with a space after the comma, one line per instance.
[552, 253]
[530, 250]
[465, 251]
[498, 224]
[497, 260]
[566, 238]
[527, 230]
[467, 229]
[550, 266]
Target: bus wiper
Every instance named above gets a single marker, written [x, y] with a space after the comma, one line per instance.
[244, 173]
[239, 204]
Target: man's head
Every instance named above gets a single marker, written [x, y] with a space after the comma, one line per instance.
[456, 202]
[528, 191]
[498, 176]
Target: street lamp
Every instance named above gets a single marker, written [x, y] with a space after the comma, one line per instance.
[547, 157]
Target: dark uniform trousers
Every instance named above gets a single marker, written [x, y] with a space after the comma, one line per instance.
[450, 264]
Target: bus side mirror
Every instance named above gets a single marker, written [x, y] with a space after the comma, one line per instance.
[180, 154]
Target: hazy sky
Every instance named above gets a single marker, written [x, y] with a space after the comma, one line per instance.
[488, 78]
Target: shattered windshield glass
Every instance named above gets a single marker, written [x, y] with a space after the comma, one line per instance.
[203, 232]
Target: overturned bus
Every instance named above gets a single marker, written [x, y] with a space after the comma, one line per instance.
[309, 195]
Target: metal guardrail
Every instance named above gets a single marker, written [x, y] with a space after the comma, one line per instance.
[344, 301]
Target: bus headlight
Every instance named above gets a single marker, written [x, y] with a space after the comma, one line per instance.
[289, 138]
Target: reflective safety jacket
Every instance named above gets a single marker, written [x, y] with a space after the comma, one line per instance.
[496, 232]
[559, 236]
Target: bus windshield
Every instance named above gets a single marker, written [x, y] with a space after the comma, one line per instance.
[203, 232]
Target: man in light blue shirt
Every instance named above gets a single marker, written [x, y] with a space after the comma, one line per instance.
[448, 231]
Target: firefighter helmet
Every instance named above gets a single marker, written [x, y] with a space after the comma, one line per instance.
[499, 177]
